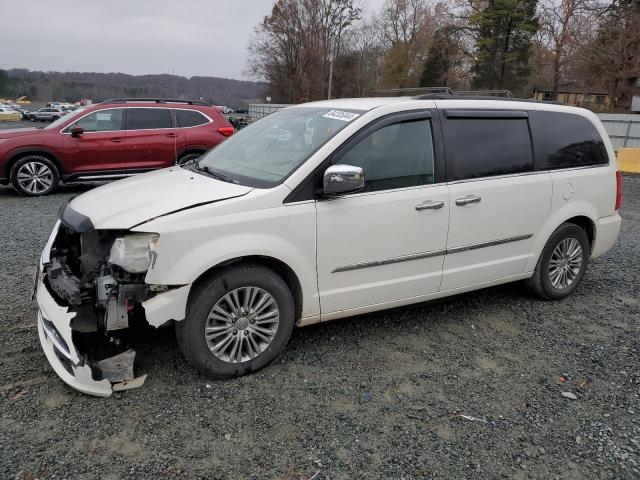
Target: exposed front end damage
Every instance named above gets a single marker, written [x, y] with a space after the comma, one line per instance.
[92, 283]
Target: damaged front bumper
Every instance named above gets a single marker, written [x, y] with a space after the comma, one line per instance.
[54, 329]
[57, 322]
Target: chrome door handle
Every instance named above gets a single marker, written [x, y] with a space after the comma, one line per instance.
[467, 200]
[430, 205]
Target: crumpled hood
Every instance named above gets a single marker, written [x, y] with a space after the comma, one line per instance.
[135, 200]
[19, 132]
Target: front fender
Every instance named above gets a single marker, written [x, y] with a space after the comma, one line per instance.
[286, 234]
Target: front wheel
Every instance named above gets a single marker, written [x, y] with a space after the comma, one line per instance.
[237, 321]
[562, 263]
[34, 175]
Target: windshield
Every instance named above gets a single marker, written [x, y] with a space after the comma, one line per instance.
[63, 118]
[267, 151]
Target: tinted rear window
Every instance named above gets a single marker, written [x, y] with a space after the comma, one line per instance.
[484, 147]
[565, 140]
[147, 118]
[190, 118]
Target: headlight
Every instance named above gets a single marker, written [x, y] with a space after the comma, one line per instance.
[134, 253]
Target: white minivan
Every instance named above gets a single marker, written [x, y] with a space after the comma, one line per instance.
[322, 211]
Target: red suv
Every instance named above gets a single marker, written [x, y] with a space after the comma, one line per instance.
[110, 140]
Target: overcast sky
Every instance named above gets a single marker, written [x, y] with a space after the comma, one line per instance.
[188, 37]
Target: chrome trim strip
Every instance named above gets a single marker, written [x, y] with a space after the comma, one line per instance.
[435, 253]
[491, 243]
[103, 177]
[387, 261]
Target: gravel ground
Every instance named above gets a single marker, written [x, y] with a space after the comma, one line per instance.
[379, 396]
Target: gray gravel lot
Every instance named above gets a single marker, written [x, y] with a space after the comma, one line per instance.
[379, 396]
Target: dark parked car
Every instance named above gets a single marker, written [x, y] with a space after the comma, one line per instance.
[110, 140]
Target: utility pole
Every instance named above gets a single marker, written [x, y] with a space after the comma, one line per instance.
[330, 74]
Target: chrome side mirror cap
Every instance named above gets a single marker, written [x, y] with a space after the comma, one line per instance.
[341, 179]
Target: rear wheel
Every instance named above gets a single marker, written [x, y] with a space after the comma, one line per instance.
[562, 263]
[237, 321]
[34, 175]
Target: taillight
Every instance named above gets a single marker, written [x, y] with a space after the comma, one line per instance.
[618, 190]
[226, 131]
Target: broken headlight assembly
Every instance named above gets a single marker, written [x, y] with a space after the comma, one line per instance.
[134, 253]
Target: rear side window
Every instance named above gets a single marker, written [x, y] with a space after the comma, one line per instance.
[395, 156]
[565, 140]
[485, 147]
[190, 118]
[148, 118]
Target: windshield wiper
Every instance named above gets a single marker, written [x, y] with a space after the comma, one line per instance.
[213, 173]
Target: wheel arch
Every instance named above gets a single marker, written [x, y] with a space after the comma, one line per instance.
[191, 149]
[23, 152]
[278, 266]
[587, 224]
[582, 214]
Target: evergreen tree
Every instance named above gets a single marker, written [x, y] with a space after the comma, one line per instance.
[442, 57]
[504, 29]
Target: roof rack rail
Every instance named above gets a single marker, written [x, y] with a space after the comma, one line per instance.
[156, 100]
[415, 90]
[485, 93]
[477, 94]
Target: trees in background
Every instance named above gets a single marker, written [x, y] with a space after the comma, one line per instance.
[293, 47]
[562, 25]
[463, 44]
[444, 59]
[405, 28]
[613, 53]
[504, 30]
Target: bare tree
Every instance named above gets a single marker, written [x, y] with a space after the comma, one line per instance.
[292, 47]
[562, 22]
[406, 27]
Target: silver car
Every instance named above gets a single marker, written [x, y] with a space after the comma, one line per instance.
[46, 114]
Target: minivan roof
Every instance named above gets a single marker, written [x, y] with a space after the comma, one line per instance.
[370, 103]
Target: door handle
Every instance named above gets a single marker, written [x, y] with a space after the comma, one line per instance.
[171, 135]
[430, 205]
[116, 140]
[467, 200]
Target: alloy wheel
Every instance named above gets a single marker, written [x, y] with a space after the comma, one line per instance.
[242, 324]
[35, 177]
[565, 263]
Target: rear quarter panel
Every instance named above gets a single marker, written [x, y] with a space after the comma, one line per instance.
[585, 191]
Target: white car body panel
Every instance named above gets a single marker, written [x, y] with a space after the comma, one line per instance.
[141, 198]
[380, 227]
[512, 209]
[257, 224]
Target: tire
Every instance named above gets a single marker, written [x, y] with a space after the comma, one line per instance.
[187, 157]
[32, 119]
[53, 119]
[34, 176]
[550, 286]
[238, 279]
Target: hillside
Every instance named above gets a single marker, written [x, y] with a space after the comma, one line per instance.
[72, 86]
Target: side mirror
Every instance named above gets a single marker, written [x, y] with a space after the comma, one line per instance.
[77, 131]
[341, 179]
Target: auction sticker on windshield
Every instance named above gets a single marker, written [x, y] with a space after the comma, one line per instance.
[340, 115]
